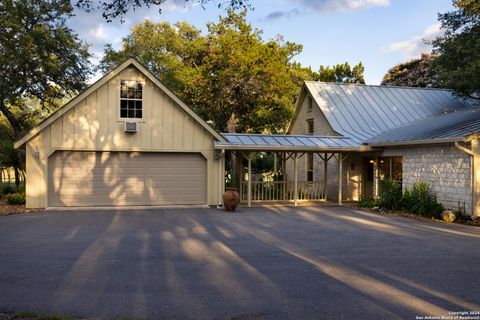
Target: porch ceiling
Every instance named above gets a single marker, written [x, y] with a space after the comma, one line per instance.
[287, 142]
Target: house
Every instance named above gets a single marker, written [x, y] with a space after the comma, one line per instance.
[409, 134]
[126, 141]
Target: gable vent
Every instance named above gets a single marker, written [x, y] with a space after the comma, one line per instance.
[131, 127]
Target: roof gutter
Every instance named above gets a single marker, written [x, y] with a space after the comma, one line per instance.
[222, 146]
[414, 142]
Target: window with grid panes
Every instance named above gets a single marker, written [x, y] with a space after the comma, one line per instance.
[131, 99]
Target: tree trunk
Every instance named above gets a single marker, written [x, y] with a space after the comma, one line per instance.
[235, 162]
[17, 178]
[17, 129]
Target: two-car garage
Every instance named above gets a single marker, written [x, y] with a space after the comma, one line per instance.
[78, 179]
[125, 141]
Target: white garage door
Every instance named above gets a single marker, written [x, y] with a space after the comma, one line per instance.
[126, 179]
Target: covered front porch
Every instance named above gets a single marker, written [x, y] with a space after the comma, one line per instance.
[284, 183]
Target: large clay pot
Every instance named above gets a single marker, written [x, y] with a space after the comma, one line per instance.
[231, 199]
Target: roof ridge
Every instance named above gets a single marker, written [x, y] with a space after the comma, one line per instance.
[377, 85]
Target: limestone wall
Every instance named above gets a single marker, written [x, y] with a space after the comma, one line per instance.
[444, 167]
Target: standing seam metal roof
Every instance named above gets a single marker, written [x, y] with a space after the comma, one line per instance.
[362, 112]
[458, 124]
[287, 140]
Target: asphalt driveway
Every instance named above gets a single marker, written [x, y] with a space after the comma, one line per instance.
[258, 263]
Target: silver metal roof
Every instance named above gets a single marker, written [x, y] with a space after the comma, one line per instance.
[361, 112]
[261, 142]
[450, 126]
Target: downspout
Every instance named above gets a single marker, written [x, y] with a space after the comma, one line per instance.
[472, 172]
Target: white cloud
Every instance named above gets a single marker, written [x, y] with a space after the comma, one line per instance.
[99, 32]
[342, 5]
[414, 46]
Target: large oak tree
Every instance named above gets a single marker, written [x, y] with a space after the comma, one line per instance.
[413, 73]
[341, 73]
[458, 49]
[41, 62]
[40, 58]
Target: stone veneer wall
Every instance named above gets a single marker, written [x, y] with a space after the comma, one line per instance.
[445, 168]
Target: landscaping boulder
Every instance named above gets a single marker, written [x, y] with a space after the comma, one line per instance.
[448, 216]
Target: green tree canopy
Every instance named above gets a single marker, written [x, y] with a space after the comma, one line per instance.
[229, 73]
[40, 57]
[341, 73]
[413, 73]
[458, 49]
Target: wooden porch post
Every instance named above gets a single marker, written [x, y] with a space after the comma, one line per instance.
[340, 178]
[275, 163]
[295, 183]
[249, 189]
[221, 177]
[390, 165]
[284, 175]
[325, 175]
[376, 178]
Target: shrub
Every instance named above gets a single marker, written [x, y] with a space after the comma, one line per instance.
[7, 189]
[367, 203]
[406, 202]
[461, 216]
[16, 198]
[390, 194]
[423, 201]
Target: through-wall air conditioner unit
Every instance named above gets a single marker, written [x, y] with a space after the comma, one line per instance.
[131, 127]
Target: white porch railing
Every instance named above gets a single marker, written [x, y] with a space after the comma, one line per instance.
[282, 191]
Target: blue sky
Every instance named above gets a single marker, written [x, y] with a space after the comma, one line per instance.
[380, 33]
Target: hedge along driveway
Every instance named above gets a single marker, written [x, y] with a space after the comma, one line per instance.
[257, 263]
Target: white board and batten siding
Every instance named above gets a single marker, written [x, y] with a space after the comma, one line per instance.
[94, 125]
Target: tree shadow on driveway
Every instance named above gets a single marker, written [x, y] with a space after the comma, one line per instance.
[257, 263]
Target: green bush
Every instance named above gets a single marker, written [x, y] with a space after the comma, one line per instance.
[7, 189]
[367, 203]
[390, 194]
[407, 201]
[422, 200]
[16, 198]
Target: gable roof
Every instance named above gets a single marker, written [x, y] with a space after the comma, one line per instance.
[364, 111]
[130, 62]
[447, 127]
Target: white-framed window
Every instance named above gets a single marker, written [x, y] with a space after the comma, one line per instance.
[131, 99]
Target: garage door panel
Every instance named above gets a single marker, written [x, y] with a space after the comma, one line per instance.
[117, 171]
[122, 178]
